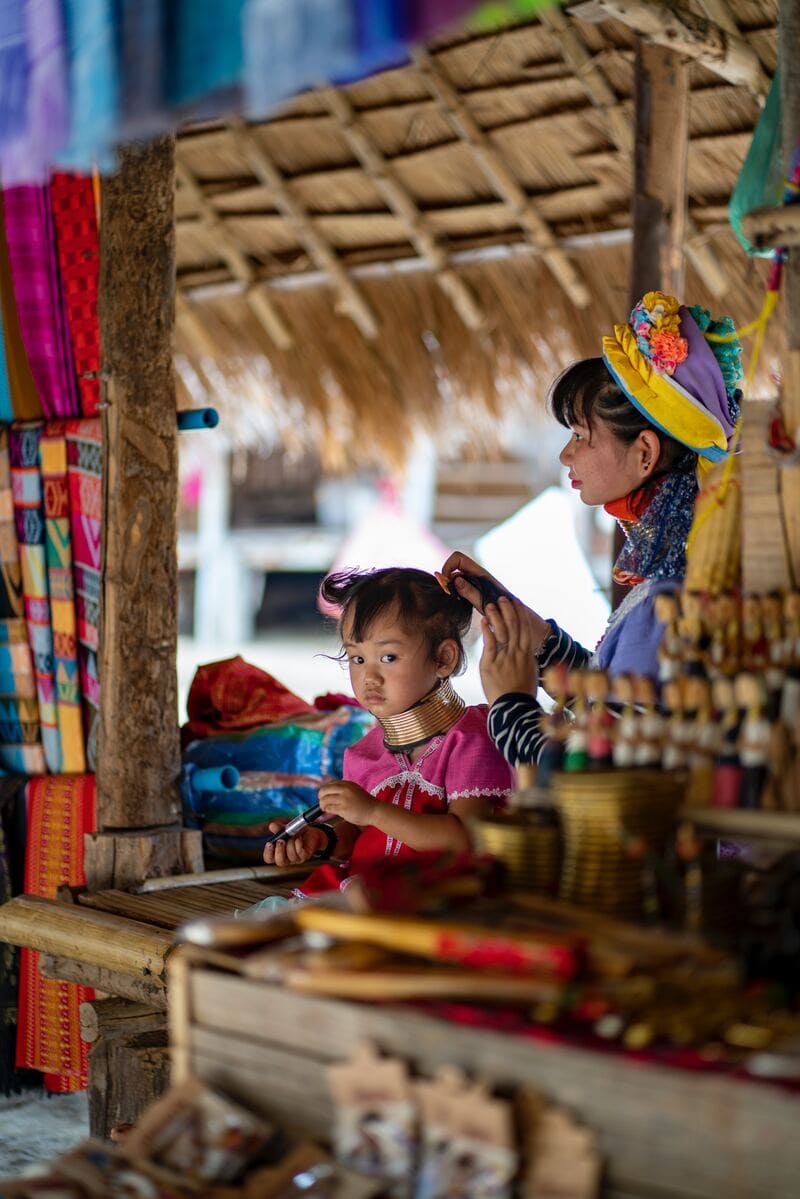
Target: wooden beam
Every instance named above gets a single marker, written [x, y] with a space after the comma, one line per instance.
[351, 300]
[505, 185]
[726, 54]
[147, 989]
[400, 201]
[604, 98]
[789, 66]
[138, 758]
[237, 261]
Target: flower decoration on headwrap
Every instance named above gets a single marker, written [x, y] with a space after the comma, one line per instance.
[668, 370]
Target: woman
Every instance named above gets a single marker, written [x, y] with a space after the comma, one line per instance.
[646, 421]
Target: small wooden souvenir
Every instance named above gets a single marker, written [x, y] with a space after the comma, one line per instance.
[702, 741]
[728, 772]
[790, 699]
[600, 721]
[553, 723]
[693, 633]
[626, 731]
[725, 632]
[650, 730]
[576, 754]
[776, 656]
[754, 643]
[670, 650]
[673, 756]
[754, 738]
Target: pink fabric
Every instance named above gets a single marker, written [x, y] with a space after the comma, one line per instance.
[464, 762]
[40, 304]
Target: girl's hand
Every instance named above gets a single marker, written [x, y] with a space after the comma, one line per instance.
[348, 800]
[298, 849]
[508, 661]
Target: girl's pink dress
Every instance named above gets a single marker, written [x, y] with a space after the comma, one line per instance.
[462, 762]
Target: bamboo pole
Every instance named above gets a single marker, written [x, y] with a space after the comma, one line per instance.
[401, 202]
[84, 934]
[237, 261]
[501, 179]
[351, 299]
[789, 65]
[726, 54]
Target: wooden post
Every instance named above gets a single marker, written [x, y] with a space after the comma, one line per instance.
[789, 65]
[660, 209]
[138, 749]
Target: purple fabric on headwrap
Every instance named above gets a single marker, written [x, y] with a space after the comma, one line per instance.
[699, 373]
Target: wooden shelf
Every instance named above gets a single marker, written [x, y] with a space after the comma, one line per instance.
[746, 822]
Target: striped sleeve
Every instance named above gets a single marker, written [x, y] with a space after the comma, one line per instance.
[515, 727]
[559, 647]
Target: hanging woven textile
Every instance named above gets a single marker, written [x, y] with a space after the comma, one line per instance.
[20, 734]
[37, 286]
[53, 456]
[60, 811]
[78, 248]
[25, 404]
[28, 157]
[26, 482]
[84, 472]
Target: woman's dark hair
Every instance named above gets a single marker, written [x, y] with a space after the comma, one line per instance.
[586, 392]
[420, 604]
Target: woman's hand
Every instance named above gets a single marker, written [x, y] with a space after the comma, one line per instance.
[297, 849]
[508, 662]
[459, 564]
[538, 628]
[348, 800]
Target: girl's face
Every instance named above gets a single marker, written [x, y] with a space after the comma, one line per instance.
[391, 669]
[603, 468]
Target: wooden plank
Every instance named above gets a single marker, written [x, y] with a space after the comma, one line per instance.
[667, 1131]
[126, 857]
[147, 990]
[138, 756]
[103, 1017]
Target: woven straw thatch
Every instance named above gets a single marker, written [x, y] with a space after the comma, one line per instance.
[362, 336]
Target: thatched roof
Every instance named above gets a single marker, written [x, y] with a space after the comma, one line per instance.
[437, 241]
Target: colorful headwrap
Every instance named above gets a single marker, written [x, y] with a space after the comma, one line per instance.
[668, 370]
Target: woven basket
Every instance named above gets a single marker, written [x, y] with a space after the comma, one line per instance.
[613, 823]
[527, 843]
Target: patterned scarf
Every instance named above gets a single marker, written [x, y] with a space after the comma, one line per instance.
[655, 530]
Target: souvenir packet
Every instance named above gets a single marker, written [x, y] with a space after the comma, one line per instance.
[202, 1136]
[468, 1140]
[375, 1119]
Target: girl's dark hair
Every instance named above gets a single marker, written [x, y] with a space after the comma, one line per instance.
[421, 605]
[586, 392]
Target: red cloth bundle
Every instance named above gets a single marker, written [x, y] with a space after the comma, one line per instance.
[233, 696]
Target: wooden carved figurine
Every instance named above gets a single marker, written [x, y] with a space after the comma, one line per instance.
[693, 633]
[754, 643]
[554, 724]
[725, 631]
[728, 773]
[776, 663]
[673, 756]
[576, 755]
[702, 741]
[669, 651]
[626, 731]
[600, 723]
[650, 740]
[754, 738]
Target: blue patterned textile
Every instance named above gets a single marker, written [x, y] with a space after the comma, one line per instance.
[94, 83]
[14, 70]
[280, 769]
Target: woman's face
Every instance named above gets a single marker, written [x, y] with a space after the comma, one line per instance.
[601, 467]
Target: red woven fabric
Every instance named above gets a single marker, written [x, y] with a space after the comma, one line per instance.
[233, 695]
[60, 809]
[78, 246]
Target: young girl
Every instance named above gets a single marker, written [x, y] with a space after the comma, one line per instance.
[645, 421]
[429, 762]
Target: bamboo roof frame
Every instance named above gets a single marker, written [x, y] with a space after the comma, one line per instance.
[485, 163]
